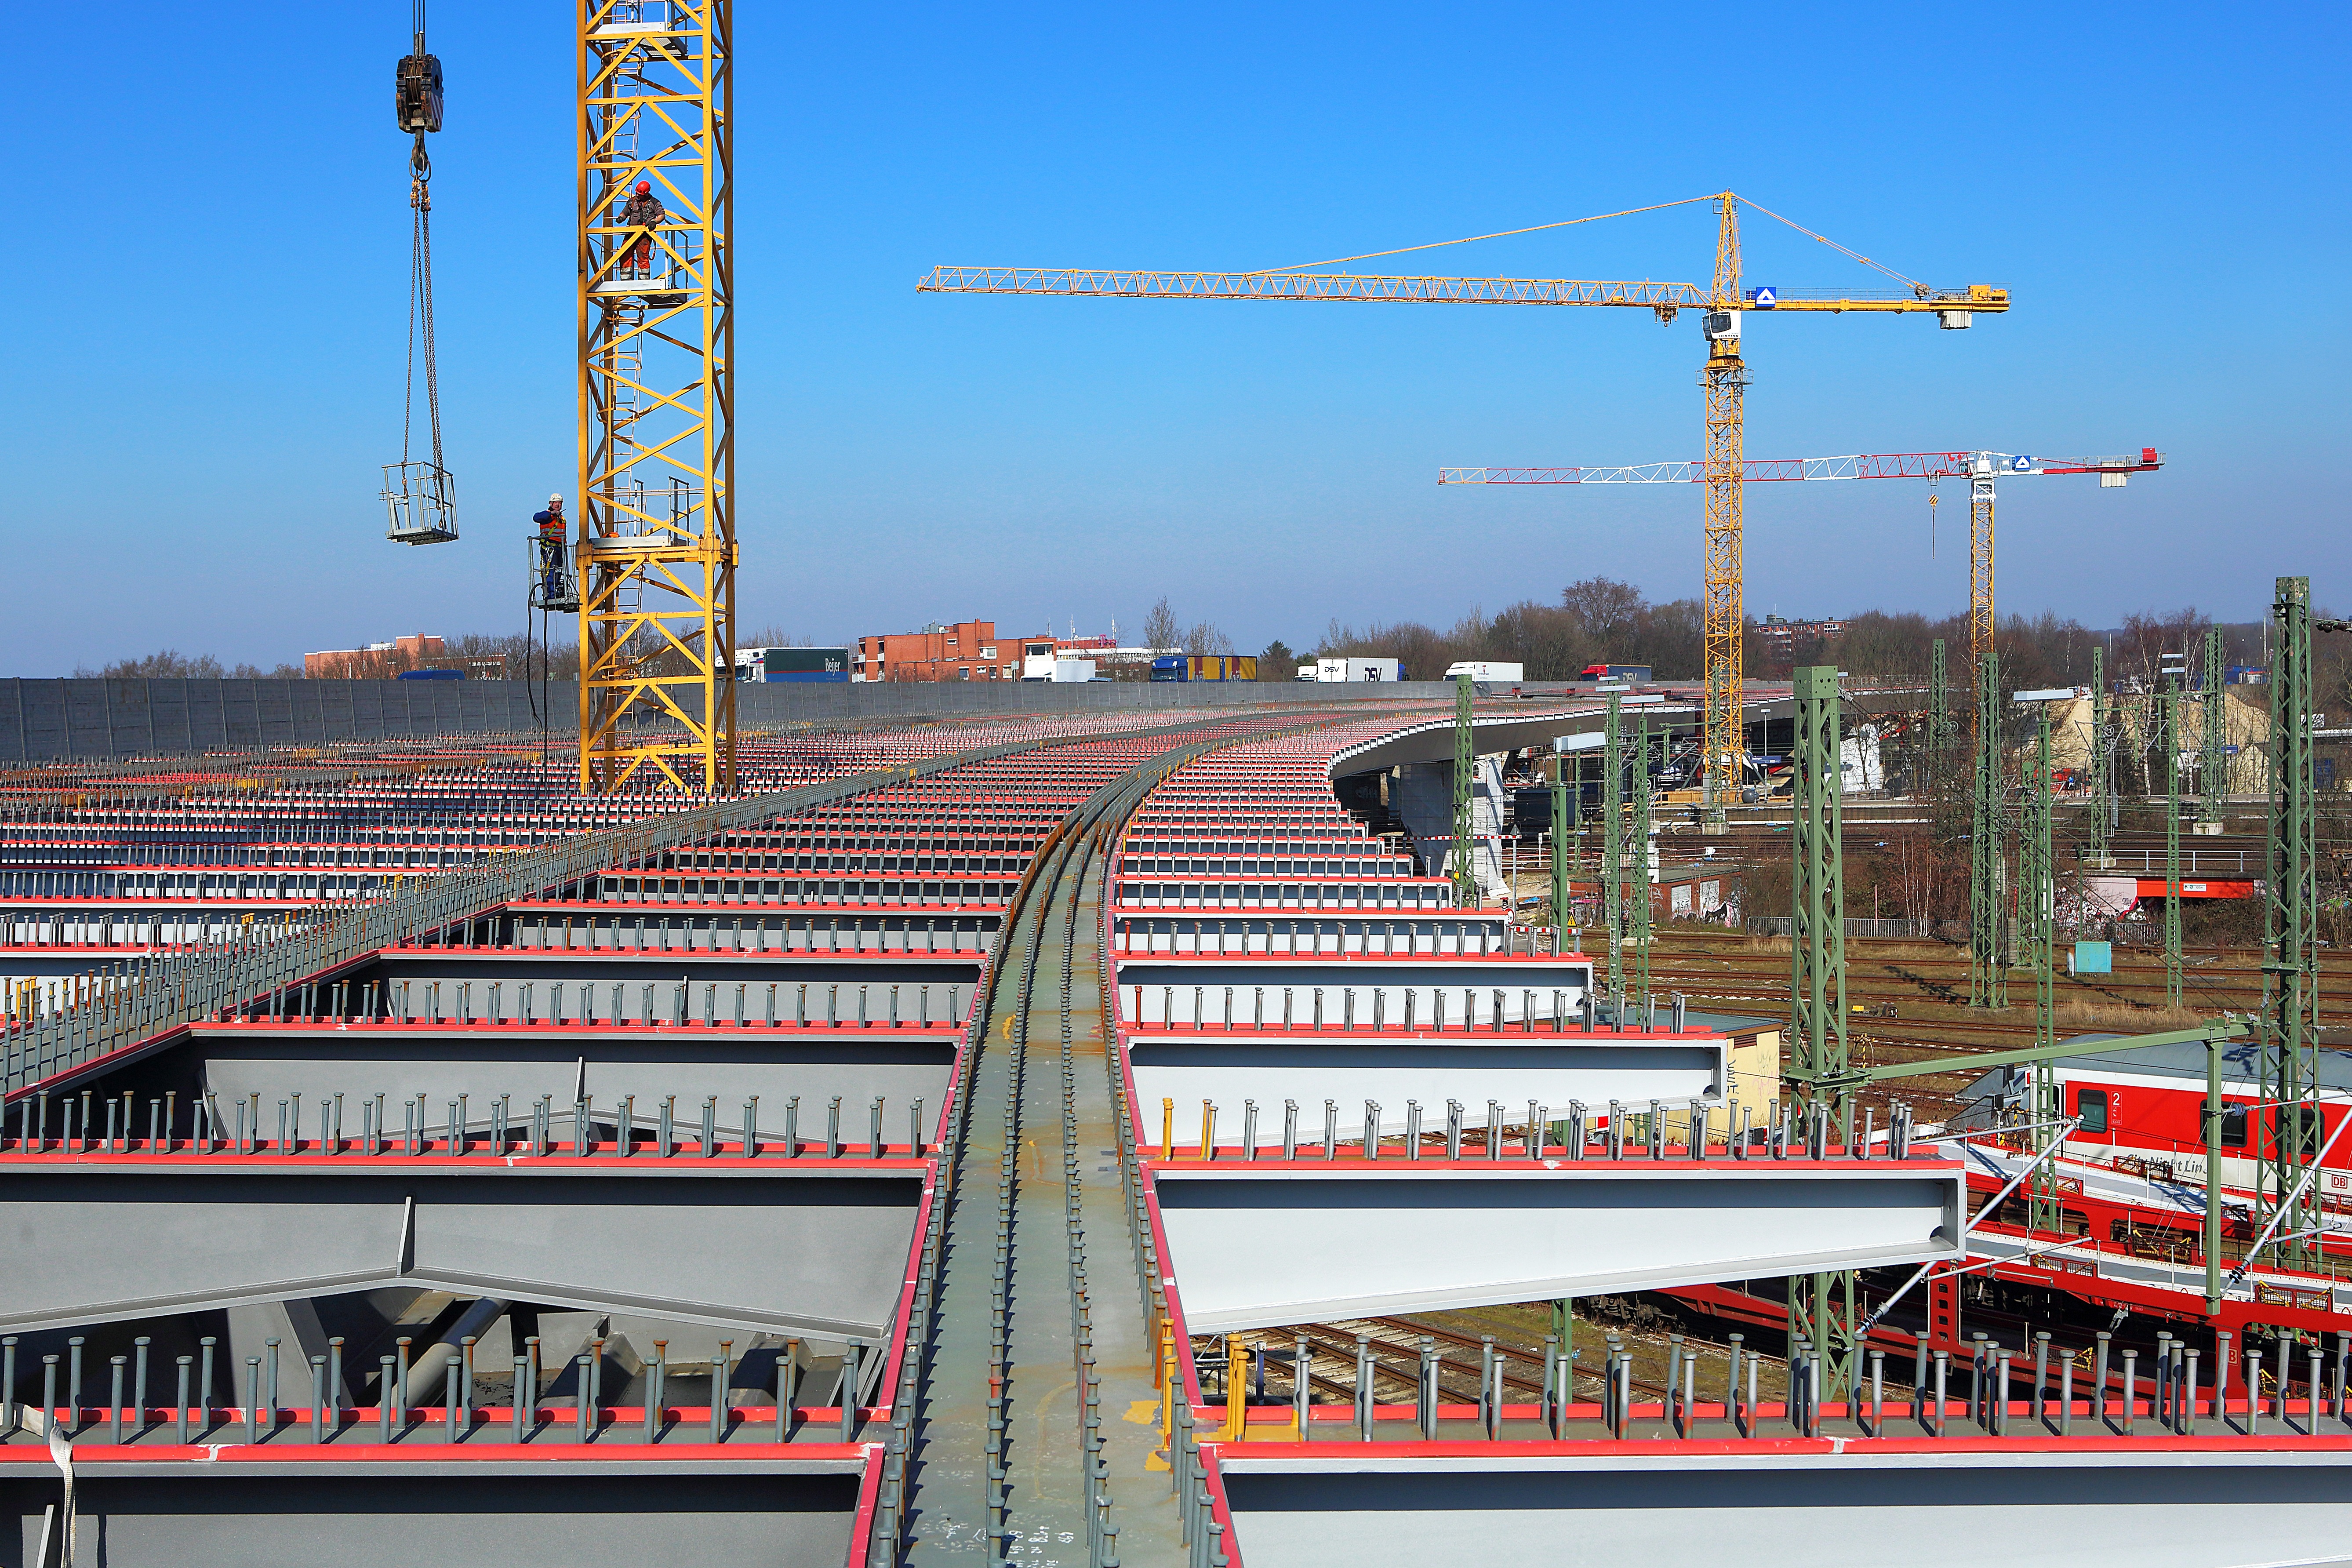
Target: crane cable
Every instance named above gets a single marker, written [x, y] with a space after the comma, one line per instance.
[420, 286]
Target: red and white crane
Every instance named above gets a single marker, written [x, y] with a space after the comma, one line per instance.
[1979, 468]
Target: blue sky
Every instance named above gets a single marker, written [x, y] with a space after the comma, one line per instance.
[206, 372]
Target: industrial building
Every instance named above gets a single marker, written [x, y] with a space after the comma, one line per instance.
[963, 650]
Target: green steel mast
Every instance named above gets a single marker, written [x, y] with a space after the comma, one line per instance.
[2290, 1071]
[1613, 848]
[2213, 752]
[1644, 887]
[1821, 1305]
[1988, 949]
[1938, 713]
[2099, 857]
[2037, 921]
[1559, 846]
[2171, 755]
[1465, 763]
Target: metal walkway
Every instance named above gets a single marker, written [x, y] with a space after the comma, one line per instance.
[1040, 1353]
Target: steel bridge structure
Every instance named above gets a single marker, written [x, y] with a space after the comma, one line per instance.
[967, 1142]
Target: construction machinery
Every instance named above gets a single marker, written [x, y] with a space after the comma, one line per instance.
[1723, 304]
[420, 499]
[656, 520]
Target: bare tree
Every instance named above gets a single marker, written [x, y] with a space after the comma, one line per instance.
[1159, 627]
[1603, 607]
[1202, 636]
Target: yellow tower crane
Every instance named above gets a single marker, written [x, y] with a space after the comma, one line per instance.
[657, 376]
[1723, 303]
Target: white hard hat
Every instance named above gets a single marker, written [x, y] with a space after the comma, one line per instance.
[556, 499]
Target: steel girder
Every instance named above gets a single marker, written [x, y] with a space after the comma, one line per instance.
[805, 1245]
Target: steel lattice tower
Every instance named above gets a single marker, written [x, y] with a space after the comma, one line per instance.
[1560, 850]
[1726, 611]
[2172, 754]
[1612, 846]
[657, 397]
[2037, 919]
[1987, 952]
[1465, 763]
[2213, 759]
[1939, 702]
[1645, 886]
[2290, 1071]
[2095, 854]
[1981, 619]
[1821, 1305]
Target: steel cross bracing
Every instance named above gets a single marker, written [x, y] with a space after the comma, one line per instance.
[657, 374]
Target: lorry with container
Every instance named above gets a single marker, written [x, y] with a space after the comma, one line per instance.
[792, 664]
[1638, 674]
[1205, 666]
[1487, 669]
[1387, 670]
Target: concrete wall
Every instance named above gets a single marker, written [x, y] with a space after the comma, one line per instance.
[1423, 795]
[98, 718]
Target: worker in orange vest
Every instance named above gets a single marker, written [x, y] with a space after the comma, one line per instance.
[551, 540]
[644, 212]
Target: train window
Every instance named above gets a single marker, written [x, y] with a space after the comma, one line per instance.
[2090, 1105]
[2234, 1124]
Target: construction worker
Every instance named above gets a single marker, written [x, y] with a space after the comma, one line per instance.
[553, 538]
[644, 212]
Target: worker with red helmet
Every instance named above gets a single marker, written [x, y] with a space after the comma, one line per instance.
[644, 213]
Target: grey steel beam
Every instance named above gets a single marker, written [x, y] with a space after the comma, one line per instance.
[1551, 1070]
[549, 1510]
[1356, 995]
[1268, 1243]
[2196, 1504]
[805, 1246]
[601, 1065]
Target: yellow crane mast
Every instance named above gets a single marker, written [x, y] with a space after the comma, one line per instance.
[656, 329]
[1723, 303]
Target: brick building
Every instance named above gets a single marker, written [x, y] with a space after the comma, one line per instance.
[967, 651]
[1784, 637]
[374, 661]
